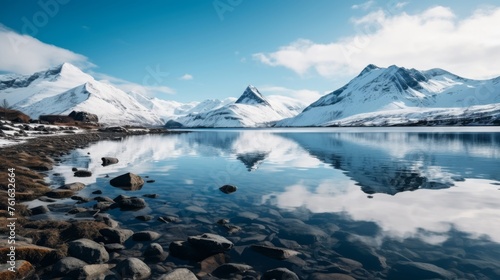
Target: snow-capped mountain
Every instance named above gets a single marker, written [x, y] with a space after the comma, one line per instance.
[65, 88]
[399, 96]
[251, 109]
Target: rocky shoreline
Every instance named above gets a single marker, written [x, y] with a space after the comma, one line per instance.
[41, 243]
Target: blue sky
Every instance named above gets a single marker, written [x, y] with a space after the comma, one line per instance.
[193, 50]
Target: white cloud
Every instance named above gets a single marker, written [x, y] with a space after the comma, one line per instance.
[469, 47]
[24, 54]
[363, 6]
[401, 5]
[186, 77]
[127, 86]
[306, 95]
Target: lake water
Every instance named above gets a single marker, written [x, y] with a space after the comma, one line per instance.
[372, 203]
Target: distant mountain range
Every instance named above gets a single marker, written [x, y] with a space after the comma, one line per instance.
[376, 97]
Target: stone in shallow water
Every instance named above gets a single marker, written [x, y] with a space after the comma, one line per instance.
[229, 269]
[196, 209]
[418, 270]
[154, 252]
[115, 235]
[279, 273]
[68, 266]
[130, 203]
[179, 274]
[144, 218]
[127, 181]
[88, 251]
[227, 189]
[210, 243]
[274, 252]
[145, 235]
[133, 268]
[330, 276]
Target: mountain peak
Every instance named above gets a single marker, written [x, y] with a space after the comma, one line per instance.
[252, 96]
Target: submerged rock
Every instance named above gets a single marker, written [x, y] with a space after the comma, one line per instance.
[279, 273]
[274, 252]
[229, 269]
[145, 235]
[210, 243]
[418, 270]
[228, 189]
[127, 181]
[130, 203]
[179, 274]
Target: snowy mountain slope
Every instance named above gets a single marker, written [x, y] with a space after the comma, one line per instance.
[110, 104]
[397, 90]
[40, 85]
[251, 109]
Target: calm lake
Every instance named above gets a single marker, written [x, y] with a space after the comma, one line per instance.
[372, 203]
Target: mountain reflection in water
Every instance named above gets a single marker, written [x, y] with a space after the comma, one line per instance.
[408, 194]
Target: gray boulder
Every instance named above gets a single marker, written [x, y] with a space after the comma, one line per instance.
[88, 251]
[279, 273]
[228, 269]
[179, 274]
[128, 181]
[115, 235]
[210, 243]
[83, 116]
[130, 203]
[67, 266]
[133, 268]
[145, 235]
[274, 252]
[154, 252]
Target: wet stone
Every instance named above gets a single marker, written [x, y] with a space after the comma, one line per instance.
[82, 173]
[68, 266]
[154, 253]
[42, 209]
[146, 235]
[227, 189]
[144, 218]
[115, 235]
[88, 251]
[179, 274]
[279, 273]
[133, 268]
[230, 269]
